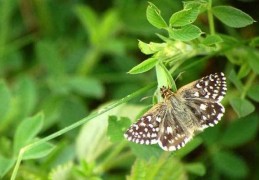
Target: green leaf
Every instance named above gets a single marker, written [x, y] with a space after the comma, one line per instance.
[196, 168]
[211, 40]
[86, 86]
[236, 135]
[5, 165]
[27, 130]
[164, 77]
[72, 109]
[167, 168]
[237, 56]
[242, 107]
[151, 48]
[162, 168]
[145, 152]
[5, 97]
[39, 151]
[253, 59]
[138, 170]
[229, 41]
[90, 22]
[235, 80]
[232, 17]
[52, 107]
[244, 71]
[230, 164]
[109, 24]
[117, 127]
[47, 53]
[185, 33]
[193, 4]
[184, 17]
[25, 93]
[154, 17]
[253, 92]
[144, 66]
[211, 135]
[94, 132]
[254, 42]
[92, 140]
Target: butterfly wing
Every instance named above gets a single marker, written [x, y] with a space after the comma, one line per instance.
[203, 98]
[146, 129]
[208, 113]
[172, 136]
[209, 88]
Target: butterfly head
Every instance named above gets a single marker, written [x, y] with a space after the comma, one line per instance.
[166, 92]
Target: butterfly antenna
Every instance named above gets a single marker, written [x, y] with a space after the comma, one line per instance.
[146, 97]
[179, 75]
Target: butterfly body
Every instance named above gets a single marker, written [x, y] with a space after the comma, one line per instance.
[174, 121]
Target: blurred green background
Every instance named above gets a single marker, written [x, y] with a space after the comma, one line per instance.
[60, 60]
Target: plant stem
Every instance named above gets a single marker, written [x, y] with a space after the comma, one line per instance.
[77, 124]
[210, 18]
[248, 84]
[18, 162]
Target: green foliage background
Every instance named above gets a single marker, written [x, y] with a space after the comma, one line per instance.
[66, 97]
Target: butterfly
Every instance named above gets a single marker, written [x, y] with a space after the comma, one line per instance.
[182, 114]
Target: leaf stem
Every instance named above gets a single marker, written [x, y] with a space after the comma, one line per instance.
[77, 124]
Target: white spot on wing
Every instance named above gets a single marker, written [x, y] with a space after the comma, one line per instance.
[196, 94]
[153, 135]
[142, 124]
[219, 116]
[198, 85]
[172, 148]
[148, 135]
[169, 130]
[203, 107]
[153, 141]
[158, 119]
[147, 142]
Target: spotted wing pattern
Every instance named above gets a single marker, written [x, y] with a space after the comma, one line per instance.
[172, 135]
[174, 122]
[212, 87]
[203, 98]
[146, 129]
